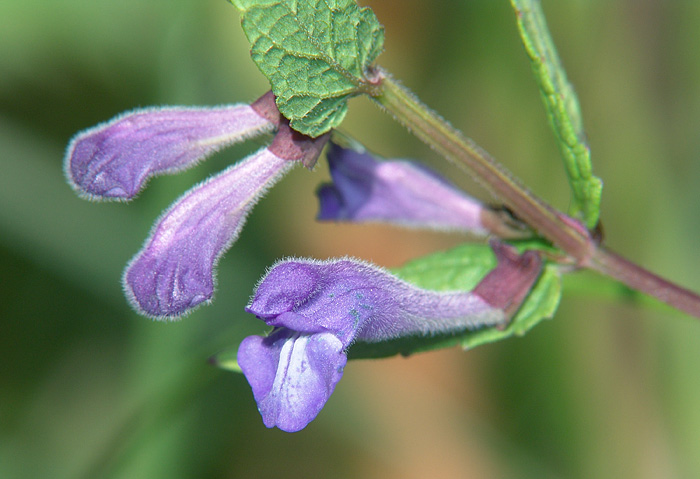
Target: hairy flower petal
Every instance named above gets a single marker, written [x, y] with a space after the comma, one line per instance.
[292, 375]
[356, 300]
[319, 308]
[174, 271]
[399, 192]
[114, 160]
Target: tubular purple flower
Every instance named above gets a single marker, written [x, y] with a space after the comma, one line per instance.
[174, 271]
[319, 308]
[399, 192]
[114, 160]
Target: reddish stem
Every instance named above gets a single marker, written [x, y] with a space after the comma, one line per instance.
[636, 277]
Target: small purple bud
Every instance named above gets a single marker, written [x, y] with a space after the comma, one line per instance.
[114, 160]
[310, 302]
[174, 271]
[398, 192]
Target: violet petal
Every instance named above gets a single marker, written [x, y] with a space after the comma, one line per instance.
[355, 300]
[114, 160]
[174, 271]
[292, 375]
[398, 192]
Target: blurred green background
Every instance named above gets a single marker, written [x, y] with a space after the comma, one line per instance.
[88, 389]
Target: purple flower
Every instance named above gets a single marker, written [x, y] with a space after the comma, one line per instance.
[319, 308]
[405, 194]
[115, 159]
[399, 192]
[174, 271]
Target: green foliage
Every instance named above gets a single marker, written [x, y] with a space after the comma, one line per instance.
[562, 108]
[314, 53]
[461, 269]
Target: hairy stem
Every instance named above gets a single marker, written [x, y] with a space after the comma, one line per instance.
[564, 232]
[453, 145]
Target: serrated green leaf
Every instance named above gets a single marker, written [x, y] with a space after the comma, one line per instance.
[315, 54]
[461, 269]
[562, 108]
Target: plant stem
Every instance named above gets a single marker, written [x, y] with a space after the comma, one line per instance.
[453, 145]
[564, 232]
[636, 277]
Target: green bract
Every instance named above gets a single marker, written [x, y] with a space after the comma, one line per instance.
[562, 108]
[315, 54]
[461, 269]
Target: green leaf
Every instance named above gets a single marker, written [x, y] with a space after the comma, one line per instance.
[562, 108]
[315, 54]
[461, 269]
[227, 360]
